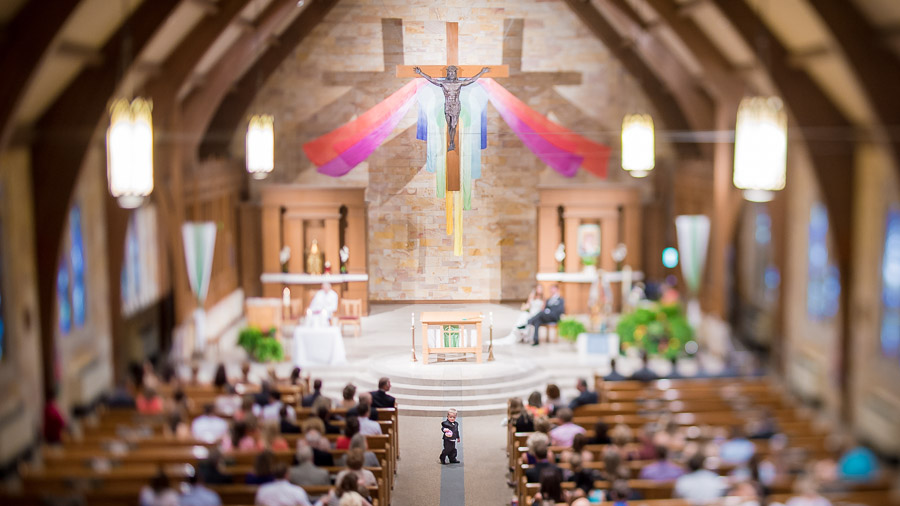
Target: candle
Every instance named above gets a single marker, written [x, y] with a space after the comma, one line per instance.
[492, 318]
[286, 297]
[412, 317]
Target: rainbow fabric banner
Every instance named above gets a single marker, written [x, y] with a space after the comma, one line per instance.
[337, 152]
[557, 146]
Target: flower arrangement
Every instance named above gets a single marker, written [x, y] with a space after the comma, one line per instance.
[261, 347]
[658, 329]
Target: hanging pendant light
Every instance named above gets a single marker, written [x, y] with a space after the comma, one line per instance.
[760, 147]
[638, 156]
[260, 146]
[129, 151]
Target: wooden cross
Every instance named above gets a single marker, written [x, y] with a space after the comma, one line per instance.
[453, 178]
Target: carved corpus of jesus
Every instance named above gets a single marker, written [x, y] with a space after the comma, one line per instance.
[451, 86]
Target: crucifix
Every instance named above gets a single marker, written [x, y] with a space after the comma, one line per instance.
[466, 75]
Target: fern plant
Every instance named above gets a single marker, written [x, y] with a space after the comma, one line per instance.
[261, 347]
[569, 328]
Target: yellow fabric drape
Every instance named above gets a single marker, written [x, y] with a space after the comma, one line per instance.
[449, 205]
[458, 228]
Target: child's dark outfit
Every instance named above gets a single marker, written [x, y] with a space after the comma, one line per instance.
[450, 441]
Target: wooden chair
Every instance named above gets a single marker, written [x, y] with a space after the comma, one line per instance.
[351, 314]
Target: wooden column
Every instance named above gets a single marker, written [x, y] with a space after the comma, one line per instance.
[631, 235]
[293, 238]
[271, 233]
[573, 262]
[333, 243]
[609, 235]
[548, 238]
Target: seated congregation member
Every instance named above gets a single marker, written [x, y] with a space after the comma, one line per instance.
[520, 418]
[54, 423]
[306, 472]
[542, 463]
[553, 310]
[380, 397]
[308, 400]
[582, 478]
[348, 486]
[351, 428]
[263, 468]
[355, 460]
[148, 402]
[178, 428]
[220, 378]
[270, 409]
[208, 427]
[367, 426]
[662, 469]
[613, 373]
[242, 438]
[359, 441]
[322, 410]
[272, 438]
[601, 434]
[348, 395]
[644, 374]
[536, 405]
[212, 467]
[554, 399]
[807, 494]
[620, 493]
[614, 466]
[312, 436]
[285, 423]
[535, 440]
[563, 434]
[585, 396]
[551, 489]
[281, 492]
[228, 402]
[196, 493]
[738, 449]
[159, 492]
[699, 484]
[294, 379]
[579, 442]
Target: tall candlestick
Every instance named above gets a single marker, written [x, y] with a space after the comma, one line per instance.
[412, 317]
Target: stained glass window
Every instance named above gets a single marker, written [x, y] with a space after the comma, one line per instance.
[140, 269]
[71, 295]
[890, 287]
[824, 284]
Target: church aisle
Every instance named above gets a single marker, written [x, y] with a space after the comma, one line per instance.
[483, 459]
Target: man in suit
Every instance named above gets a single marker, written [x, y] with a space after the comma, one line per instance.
[644, 374]
[305, 472]
[585, 396]
[308, 400]
[380, 397]
[552, 312]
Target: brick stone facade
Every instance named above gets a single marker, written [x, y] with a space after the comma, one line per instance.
[347, 64]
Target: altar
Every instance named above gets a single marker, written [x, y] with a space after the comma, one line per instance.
[318, 346]
[445, 332]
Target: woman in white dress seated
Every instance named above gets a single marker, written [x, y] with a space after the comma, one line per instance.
[532, 306]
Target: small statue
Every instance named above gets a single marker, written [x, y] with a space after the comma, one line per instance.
[451, 85]
[327, 267]
[315, 259]
[345, 255]
[560, 255]
[285, 257]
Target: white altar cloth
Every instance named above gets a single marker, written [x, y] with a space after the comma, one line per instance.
[318, 346]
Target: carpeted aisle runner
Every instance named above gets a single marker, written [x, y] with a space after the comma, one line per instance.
[453, 478]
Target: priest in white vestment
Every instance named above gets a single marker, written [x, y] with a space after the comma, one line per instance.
[323, 305]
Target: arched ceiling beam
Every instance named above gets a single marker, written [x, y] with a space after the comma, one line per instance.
[64, 134]
[876, 66]
[23, 45]
[665, 101]
[716, 67]
[198, 107]
[230, 113]
[824, 130]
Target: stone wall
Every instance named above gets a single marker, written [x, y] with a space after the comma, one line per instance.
[347, 65]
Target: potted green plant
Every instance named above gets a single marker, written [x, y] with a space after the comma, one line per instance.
[569, 328]
[590, 264]
[261, 347]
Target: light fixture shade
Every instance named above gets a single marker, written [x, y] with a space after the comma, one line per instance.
[129, 151]
[260, 146]
[760, 147]
[638, 156]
